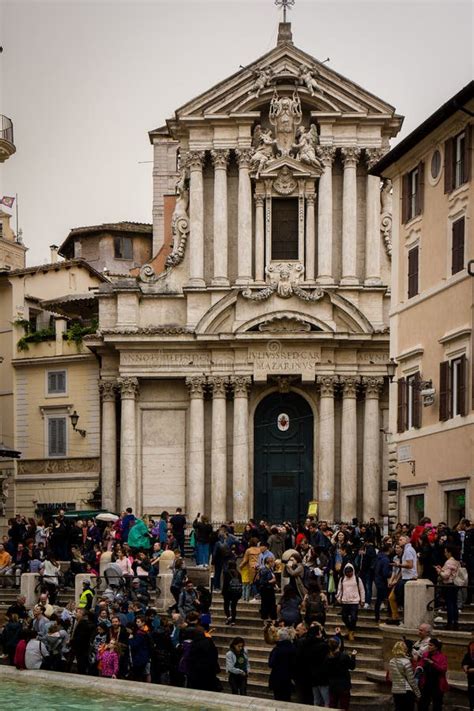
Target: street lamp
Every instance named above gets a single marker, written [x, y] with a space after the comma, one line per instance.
[74, 417]
[392, 366]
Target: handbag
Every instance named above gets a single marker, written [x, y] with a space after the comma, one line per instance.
[331, 583]
[192, 539]
[461, 579]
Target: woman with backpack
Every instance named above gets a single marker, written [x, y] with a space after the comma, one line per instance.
[232, 592]
[351, 595]
[405, 689]
[447, 575]
[315, 605]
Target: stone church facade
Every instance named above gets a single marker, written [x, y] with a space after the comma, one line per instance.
[243, 369]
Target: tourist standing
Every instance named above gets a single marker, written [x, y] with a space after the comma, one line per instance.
[351, 595]
[382, 574]
[266, 586]
[203, 531]
[468, 668]
[232, 589]
[405, 689]
[447, 574]
[178, 524]
[433, 683]
[248, 568]
[337, 671]
[237, 666]
[282, 664]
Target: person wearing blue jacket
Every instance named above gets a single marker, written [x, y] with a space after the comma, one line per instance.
[139, 646]
[382, 574]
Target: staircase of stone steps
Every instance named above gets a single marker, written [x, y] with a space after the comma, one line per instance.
[250, 627]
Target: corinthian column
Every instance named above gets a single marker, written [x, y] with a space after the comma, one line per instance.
[128, 444]
[310, 237]
[326, 447]
[371, 457]
[241, 385]
[349, 449]
[220, 159]
[350, 156]
[195, 162]
[195, 463]
[244, 219]
[219, 449]
[108, 454]
[259, 238]
[325, 275]
[372, 229]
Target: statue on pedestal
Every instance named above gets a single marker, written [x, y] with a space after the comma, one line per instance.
[263, 78]
[305, 147]
[306, 77]
[264, 151]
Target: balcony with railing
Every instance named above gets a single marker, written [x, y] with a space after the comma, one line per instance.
[7, 147]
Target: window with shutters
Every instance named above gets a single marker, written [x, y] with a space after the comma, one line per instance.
[123, 248]
[56, 382]
[413, 401]
[413, 193]
[453, 388]
[413, 261]
[457, 248]
[57, 446]
[402, 405]
[285, 228]
[457, 160]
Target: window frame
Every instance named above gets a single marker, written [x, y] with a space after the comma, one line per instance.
[295, 203]
[459, 154]
[120, 239]
[49, 453]
[455, 267]
[56, 371]
[456, 364]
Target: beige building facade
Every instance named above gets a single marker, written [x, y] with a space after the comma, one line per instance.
[431, 318]
[244, 368]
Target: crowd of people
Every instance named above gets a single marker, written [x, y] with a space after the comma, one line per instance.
[294, 573]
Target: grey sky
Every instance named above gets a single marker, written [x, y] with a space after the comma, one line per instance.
[85, 81]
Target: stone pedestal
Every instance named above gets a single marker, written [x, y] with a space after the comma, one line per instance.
[29, 581]
[79, 579]
[418, 595]
[166, 599]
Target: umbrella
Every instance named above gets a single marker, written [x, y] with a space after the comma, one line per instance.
[107, 517]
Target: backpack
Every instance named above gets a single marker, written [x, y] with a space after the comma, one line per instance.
[314, 607]
[461, 579]
[235, 587]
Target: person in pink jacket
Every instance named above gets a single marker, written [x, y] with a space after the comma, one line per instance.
[110, 661]
[351, 595]
[433, 683]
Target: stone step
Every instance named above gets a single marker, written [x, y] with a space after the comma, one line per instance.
[364, 663]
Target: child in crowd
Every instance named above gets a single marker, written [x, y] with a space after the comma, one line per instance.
[237, 666]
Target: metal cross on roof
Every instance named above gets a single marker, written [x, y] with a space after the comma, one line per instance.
[286, 5]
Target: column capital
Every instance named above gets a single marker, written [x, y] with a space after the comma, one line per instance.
[220, 158]
[310, 198]
[259, 200]
[350, 156]
[244, 156]
[327, 153]
[241, 385]
[326, 384]
[349, 385]
[218, 384]
[129, 388]
[373, 385]
[373, 155]
[195, 160]
[196, 385]
[108, 390]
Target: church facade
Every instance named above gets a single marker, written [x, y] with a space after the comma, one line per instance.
[244, 368]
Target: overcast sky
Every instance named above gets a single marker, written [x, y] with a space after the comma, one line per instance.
[84, 82]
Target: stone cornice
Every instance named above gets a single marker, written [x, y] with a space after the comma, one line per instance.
[164, 329]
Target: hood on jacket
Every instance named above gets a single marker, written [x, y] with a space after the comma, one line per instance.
[347, 567]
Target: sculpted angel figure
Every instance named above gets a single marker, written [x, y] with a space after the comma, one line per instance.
[264, 152]
[263, 78]
[182, 198]
[386, 196]
[305, 147]
[306, 76]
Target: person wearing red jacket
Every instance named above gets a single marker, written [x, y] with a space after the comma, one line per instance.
[433, 683]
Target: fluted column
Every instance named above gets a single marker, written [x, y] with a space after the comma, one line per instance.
[326, 447]
[371, 455]
[219, 449]
[195, 460]
[108, 452]
[372, 229]
[349, 449]
[195, 162]
[244, 219]
[310, 238]
[220, 158]
[240, 474]
[325, 275]
[259, 238]
[128, 444]
[350, 157]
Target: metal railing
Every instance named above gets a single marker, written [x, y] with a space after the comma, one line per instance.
[6, 129]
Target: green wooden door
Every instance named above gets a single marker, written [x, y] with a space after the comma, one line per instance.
[283, 462]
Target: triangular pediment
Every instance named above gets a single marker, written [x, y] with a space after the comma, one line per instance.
[296, 168]
[334, 93]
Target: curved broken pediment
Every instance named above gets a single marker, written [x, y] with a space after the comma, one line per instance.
[283, 322]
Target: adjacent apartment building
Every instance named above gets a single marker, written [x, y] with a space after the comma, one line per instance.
[431, 319]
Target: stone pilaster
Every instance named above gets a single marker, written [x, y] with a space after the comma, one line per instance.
[218, 386]
[325, 267]
[326, 446]
[310, 238]
[372, 230]
[195, 460]
[371, 450]
[350, 157]
[220, 158]
[240, 475]
[244, 219]
[129, 389]
[259, 238]
[108, 458]
[195, 160]
[349, 448]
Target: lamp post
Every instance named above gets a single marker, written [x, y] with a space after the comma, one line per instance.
[74, 417]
